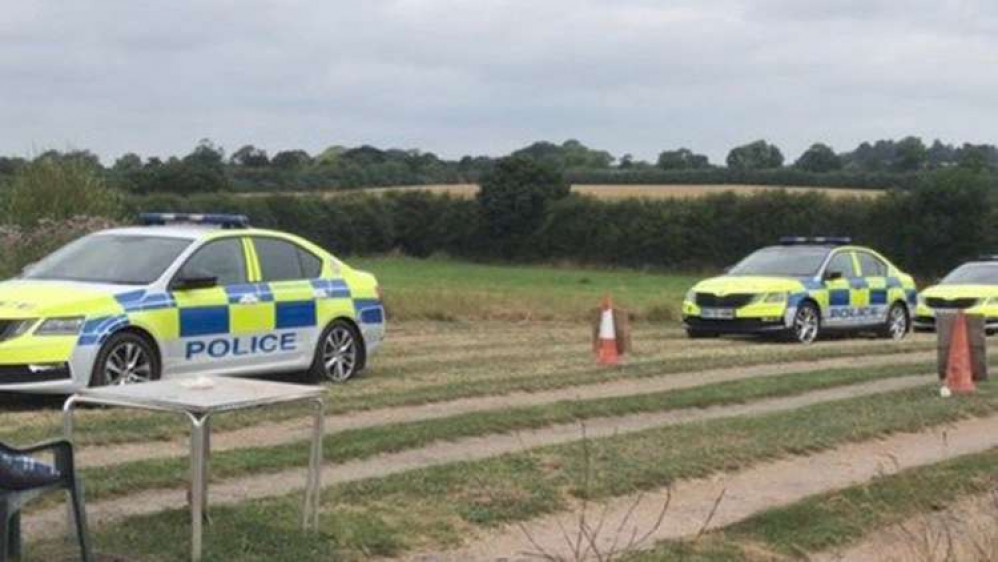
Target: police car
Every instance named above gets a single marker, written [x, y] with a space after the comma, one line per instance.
[180, 295]
[972, 287]
[801, 288]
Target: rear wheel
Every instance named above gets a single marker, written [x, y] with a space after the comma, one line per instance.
[898, 323]
[339, 354]
[807, 323]
[125, 358]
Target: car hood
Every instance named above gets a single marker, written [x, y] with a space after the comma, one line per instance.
[731, 284]
[29, 298]
[961, 291]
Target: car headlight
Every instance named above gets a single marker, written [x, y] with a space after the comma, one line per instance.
[771, 298]
[68, 326]
[16, 328]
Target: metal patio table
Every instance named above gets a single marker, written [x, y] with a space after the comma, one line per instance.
[199, 404]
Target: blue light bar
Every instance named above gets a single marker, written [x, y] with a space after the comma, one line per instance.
[224, 221]
[815, 240]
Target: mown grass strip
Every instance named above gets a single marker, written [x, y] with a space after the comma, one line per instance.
[116, 480]
[125, 426]
[838, 519]
[443, 505]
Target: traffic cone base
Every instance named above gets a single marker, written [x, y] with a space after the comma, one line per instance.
[959, 370]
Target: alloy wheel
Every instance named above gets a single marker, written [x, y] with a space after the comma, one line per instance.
[339, 354]
[127, 363]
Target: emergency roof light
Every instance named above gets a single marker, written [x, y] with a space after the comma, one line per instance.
[815, 240]
[224, 221]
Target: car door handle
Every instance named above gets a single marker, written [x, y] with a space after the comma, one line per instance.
[249, 299]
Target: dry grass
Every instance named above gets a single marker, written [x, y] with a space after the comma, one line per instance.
[623, 191]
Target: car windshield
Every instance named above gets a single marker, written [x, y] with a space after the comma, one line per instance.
[783, 261]
[973, 274]
[110, 258]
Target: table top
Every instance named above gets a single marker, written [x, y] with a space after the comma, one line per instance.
[181, 394]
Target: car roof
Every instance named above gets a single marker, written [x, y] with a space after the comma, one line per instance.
[187, 231]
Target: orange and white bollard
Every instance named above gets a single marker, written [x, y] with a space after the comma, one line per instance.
[606, 348]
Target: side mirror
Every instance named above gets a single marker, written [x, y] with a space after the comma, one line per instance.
[194, 282]
[833, 275]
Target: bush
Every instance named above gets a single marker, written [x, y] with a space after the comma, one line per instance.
[57, 190]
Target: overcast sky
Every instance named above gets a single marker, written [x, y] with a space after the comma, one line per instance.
[487, 76]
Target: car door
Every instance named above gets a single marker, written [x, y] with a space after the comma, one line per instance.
[205, 344]
[874, 272]
[287, 269]
[839, 278]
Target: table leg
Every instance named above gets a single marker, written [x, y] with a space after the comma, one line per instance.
[313, 488]
[67, 430]
[206, 462]
[199, 479]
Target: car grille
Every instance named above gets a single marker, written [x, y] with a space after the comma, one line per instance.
[936, 302]
[727, 301]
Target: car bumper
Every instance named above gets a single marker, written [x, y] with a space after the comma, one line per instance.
[44, 378]
[925, 323]
[735, 326]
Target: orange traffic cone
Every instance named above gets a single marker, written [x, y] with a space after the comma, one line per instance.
[606, 345]
[959, 371]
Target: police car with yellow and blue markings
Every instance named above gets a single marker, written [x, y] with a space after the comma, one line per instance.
[802, 288]
[185, 294]
[971, 287]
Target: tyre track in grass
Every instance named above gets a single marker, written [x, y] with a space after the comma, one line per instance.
[745, 493]
[238, 490]
[279, 433]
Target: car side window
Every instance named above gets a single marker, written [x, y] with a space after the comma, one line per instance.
[871, 265]
[281, 260]
[311, 266]
[841, 263]
[223, 259]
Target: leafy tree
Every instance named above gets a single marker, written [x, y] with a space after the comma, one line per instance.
[291, 160]
[910, 155]
[570, 154]
[129, 162]
[819, 158]
[682, 159]
[250, 156]
[758, 155]
[514, 198]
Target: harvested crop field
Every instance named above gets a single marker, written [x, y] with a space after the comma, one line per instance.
[620, 191]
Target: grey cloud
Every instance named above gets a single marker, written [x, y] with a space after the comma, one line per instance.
[484, 76]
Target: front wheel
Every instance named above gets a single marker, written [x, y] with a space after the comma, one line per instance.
[125, 358]
[807, 324]
[898, 324]
[339, 355]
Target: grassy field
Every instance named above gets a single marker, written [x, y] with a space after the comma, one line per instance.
[437, 289]
[621, 191]
[479, 355]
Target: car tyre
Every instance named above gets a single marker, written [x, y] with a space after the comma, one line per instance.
[898, 323]
[126, 358]
[339, 355]
[806, 326]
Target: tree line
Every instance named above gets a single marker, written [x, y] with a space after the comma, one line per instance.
[209, 169]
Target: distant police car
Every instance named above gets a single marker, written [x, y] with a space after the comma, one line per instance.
[972, 287]
[801, 288]
[185, 294]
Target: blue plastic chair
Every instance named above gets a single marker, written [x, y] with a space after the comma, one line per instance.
[23, 478]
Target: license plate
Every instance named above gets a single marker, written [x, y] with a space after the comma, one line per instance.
[717, 313]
